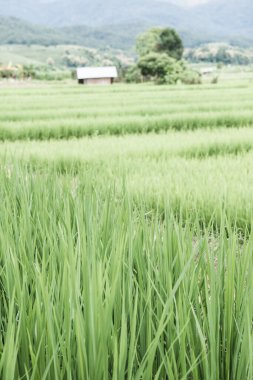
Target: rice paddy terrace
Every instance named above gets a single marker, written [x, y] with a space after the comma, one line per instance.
[125, 232]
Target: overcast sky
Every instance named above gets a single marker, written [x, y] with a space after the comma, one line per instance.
[194, 2]
[191, 2]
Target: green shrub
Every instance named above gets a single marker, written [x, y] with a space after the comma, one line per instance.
[133, 75]
[215, 80]
[189, 76]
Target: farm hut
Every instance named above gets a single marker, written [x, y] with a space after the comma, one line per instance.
[207, 70]
[97, 75]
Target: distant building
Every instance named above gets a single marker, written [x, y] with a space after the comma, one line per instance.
[9, 72]
[97, 75]
[208, 70]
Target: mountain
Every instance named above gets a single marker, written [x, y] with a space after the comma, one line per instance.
[229, 21]
[93, 12]
[116, 23]
[234, 15]
[15, 31]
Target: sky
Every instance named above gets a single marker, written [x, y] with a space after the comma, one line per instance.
[191, 2]
[195, 2]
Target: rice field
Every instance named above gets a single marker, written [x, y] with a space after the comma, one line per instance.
[64, 112]
[125, 232]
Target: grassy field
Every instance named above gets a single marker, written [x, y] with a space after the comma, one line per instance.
[125, 232]
[60, 55]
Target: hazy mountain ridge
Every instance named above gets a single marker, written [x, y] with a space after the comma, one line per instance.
[233, 15]
[117, 23]
[15, 31]
[93, 12]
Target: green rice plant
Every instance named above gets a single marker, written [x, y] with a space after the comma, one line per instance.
[49, 111]
[94, 287]
[68, 128]
[190, 144]
[126, 255]
[203, 173]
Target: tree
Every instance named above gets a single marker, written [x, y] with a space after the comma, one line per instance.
[147, 42]
[170, 43]
[161, 52]
[160, 40]
[155, 65]
[132, 74]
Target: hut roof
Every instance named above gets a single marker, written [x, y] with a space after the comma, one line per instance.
[97, 72]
